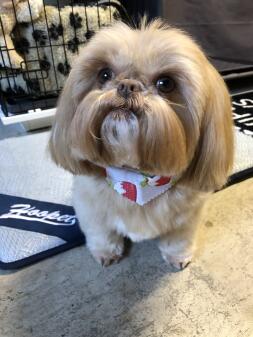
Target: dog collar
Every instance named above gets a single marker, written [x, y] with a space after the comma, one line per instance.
[137, 186]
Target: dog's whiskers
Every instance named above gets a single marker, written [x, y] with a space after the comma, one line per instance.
[176, 104]
[94, 136]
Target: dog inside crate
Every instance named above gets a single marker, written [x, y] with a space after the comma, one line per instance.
[38, 44]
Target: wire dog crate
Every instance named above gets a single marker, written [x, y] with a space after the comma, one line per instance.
[39, 40]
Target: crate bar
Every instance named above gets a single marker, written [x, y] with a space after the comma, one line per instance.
[74, 26]
[7, 51]
[51, 49]
[37, 49]
[64, 48]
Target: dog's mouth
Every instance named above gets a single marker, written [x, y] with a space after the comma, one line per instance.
[121, 114]
[119, 136]
[119, 120]
[120, 124]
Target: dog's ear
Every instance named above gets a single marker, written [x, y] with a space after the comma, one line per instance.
[59, 145]
[213, 158]
[61, 138]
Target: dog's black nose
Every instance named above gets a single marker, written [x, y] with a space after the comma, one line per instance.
[127, 87]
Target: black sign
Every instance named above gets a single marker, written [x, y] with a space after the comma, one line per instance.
[243, 112]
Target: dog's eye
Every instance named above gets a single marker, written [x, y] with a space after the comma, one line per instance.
[165, 84]
[105, 75]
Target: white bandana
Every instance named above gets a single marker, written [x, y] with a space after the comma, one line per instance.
[136, 186]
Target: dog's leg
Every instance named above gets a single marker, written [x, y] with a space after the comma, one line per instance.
[177, 247]
[105, 244]
[96, 220]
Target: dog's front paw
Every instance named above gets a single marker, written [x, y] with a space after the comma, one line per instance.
[111, 254]
[178, 262]
[106, 258]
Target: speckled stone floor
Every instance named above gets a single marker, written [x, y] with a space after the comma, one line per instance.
[70, 295]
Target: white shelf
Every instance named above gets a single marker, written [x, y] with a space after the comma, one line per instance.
[33, 119]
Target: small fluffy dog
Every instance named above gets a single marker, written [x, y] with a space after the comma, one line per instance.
[144, 123]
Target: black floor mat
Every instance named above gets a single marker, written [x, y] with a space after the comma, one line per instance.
[243, 120]
[32, 230]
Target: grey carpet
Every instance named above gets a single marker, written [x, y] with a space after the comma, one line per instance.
[27, 171]
[243, 152]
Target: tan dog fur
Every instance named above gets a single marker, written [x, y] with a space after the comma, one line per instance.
[187, 133]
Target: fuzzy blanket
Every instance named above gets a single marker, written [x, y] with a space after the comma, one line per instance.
[49, 46]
